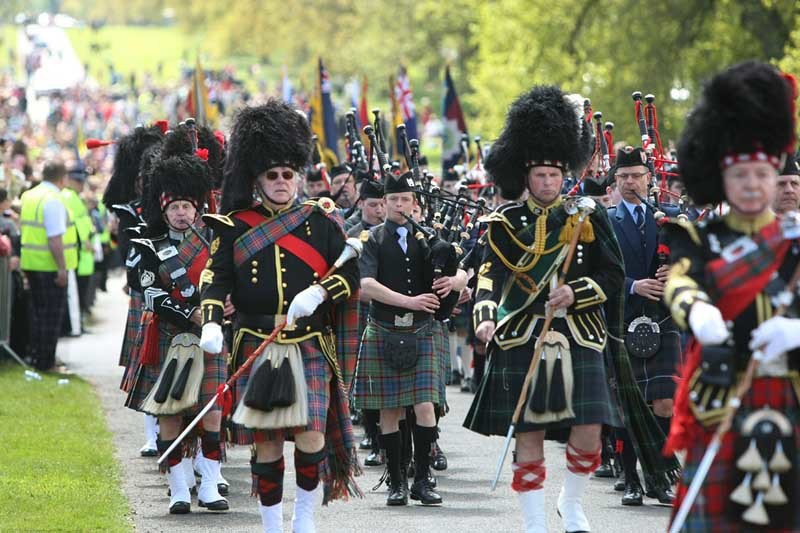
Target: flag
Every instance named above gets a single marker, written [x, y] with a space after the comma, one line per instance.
[363, 110]
[287, 90]
[453, 124]
[405, 104]
[323, 120]
[198, 104]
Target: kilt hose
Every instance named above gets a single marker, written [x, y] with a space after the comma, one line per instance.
[712, 510]
[379, 386]
[144, 377]
[131, 340]
[656, 375]
[497, 395]
[48, 306]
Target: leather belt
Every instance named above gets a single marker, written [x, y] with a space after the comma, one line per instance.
[403, 320]
[265, 323]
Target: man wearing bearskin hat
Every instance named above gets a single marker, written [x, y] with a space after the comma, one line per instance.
[174, 377]
[271, 256]
[731, 277]
[123, 197]
[527, 241]
[787, 198]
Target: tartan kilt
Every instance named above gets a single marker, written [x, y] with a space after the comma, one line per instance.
[441, 347]
[656, 376]
[318, 374]
[145, 376]
[380, 387]
[131, 340]
[498, 393]
[712, 511]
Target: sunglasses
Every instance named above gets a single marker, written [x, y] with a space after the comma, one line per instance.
[288, 175]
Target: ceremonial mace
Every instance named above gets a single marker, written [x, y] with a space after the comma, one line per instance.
[724, 426]
[352, 250]
[585, 206]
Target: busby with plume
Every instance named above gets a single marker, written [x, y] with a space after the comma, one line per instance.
[209, 148]
[746, 113]
[544, 127]
[265, 136]
[179, 177]
[121, 187]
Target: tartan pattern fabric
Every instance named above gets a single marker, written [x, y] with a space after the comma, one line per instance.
[712, 511]
[132, 322]
[145, 376]
[129, 376]
[349, 329]
[656, 375]
[265, 234]
[380, 387]
[318, 374]
[724, 276]
[441, 347]
[47, 309]
[496, 399]
[192, 255]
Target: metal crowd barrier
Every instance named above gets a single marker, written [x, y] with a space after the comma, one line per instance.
[6, 301]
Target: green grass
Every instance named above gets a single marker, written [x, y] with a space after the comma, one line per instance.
[57, 469]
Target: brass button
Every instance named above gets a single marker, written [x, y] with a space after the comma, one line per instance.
[284, 285]
[283, 270]
[308, 328]
[259, 330]
[316, 275]
[285, 302]
[254, 271]
[254, 280]
[254, 263]
[283, 335]
[282, 256]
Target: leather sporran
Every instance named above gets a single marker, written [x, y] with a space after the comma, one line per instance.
[643, 338]
[274, 402]
[178, 384]
[400, 350]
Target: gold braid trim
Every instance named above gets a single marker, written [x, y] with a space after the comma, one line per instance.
[531, 250]
[587, 231]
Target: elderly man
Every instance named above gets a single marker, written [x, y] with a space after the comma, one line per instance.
[788, 196]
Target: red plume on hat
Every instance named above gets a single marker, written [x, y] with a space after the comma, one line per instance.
[163, 125]
[91, 144]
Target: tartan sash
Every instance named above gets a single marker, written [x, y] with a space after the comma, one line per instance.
[749, 260]
[264, 231]
[184, 268]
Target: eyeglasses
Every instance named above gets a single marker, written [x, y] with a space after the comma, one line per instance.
[635, 175]
[288, 175]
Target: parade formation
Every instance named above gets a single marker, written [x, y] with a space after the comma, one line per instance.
[635, 303]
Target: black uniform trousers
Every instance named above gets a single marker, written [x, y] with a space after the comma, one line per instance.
[48, 306]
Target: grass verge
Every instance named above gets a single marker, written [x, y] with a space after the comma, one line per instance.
[57, 467]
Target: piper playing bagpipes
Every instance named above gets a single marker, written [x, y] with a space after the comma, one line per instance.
[733, 284]
[274, 259]
[174, 376]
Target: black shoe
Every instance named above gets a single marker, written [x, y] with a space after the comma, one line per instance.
[424, 493]
[219, 505]
[619, 485]
[375, 459]
[148, 452]
[180, 508]
[466, 385]
[605, 471]
[633, 494]
[455, 379]
[223, 489]
[438, 459]
[665, 497]
[365, 444]
[398, 494]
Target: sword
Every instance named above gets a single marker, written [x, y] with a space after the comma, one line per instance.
[586, 206]
[352, 250]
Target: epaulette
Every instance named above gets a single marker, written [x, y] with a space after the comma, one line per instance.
[689, 228]
[499, 214]
[222, 219]
[325, 204]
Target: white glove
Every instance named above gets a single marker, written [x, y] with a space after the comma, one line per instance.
[305, 303]
[211, 338]
[774, 337]
[707, 324]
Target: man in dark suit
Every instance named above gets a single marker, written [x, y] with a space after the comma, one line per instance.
[654, 346]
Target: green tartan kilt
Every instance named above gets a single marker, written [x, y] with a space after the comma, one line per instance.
[380, 387]
[145, 376]
[441, 347]
[497, 395]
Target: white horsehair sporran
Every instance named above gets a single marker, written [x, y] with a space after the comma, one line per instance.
[178, 384]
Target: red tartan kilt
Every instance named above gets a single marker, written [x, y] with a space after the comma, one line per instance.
[712, 510]
[132, 341]
[318, 374]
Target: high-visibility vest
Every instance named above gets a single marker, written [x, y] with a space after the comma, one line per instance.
[79, 215]
[36, 255]
[105, 236]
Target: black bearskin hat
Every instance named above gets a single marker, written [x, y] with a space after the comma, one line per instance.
[792, 166]
[273, 134]
[121, 187]
[178, 141]
[179, 177]
[744, 111]
[543, 127]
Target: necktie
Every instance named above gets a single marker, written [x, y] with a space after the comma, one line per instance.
[639, 217]
[401, 238]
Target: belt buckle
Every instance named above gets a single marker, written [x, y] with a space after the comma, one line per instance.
[404, 321]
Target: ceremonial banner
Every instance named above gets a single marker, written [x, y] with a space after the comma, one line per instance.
[323, 120]
[404, 100]
[453, 124]
[198, 104]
